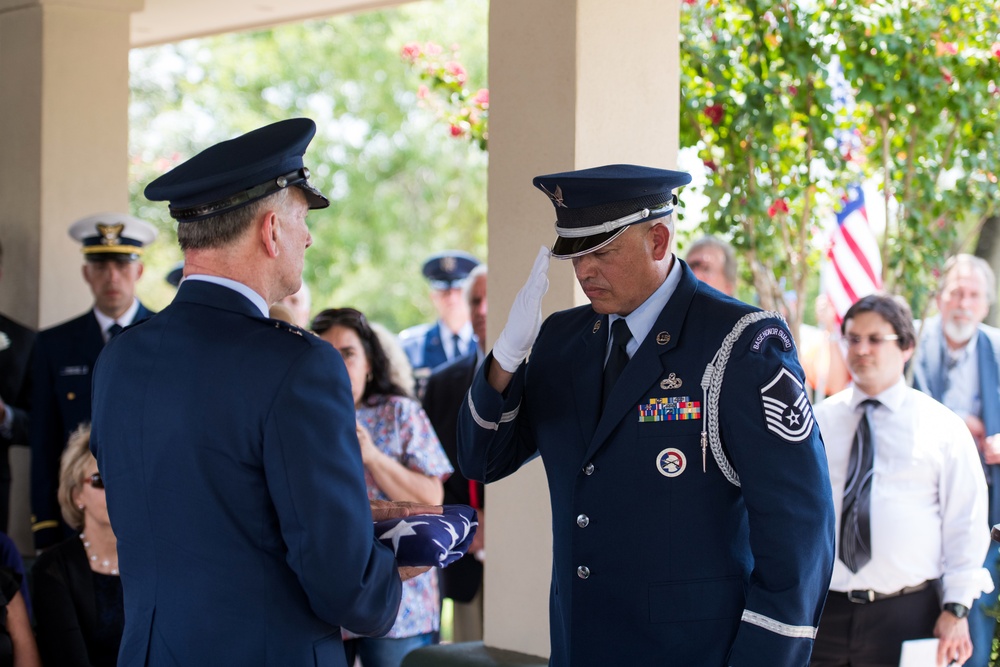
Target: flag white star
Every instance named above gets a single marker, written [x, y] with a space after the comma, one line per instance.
[402, 529]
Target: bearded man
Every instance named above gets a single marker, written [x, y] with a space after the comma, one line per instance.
[958, 363]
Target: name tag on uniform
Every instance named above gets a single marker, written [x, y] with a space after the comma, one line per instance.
[66, 371]
[670, 408]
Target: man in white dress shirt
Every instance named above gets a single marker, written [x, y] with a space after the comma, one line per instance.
[912, 539]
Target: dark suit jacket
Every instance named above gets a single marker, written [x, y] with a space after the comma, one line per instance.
[62, 364]
[16, 342]
[929, 377]
[236, 490]
[648, 545]
[66, 613]
[445, 393]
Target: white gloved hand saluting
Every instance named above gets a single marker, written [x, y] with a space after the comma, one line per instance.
[525, 319]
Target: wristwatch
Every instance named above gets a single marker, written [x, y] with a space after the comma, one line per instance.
[958, 610]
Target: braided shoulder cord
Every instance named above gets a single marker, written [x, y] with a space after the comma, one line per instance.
[711, 386]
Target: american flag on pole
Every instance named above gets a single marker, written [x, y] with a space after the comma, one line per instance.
[852, 267]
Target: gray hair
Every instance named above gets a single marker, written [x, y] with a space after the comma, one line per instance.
[966, 261]
[729, 266]
[221, 230]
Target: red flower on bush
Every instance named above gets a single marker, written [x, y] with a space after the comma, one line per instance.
[779, 206]
[456, 70]
[481, 98]
[690, 2]
[715, 112]
[945, 48]
[948, 76]
[995, 49]
[443, 91]
[410, 52]
[710, 165]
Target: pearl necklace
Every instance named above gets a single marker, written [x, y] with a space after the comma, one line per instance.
[94, 558]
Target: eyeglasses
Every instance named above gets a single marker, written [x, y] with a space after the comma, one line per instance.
[94, 480]
[874, 340]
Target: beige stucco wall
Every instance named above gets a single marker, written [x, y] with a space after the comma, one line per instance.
[64, 129]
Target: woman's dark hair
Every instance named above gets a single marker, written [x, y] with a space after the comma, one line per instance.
[379, 382]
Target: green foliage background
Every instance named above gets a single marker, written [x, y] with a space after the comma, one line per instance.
[757, 105]
[400, 187]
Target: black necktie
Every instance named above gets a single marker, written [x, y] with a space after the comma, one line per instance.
[620, 336]
[855, 518]
[458, 346]
[114, 330]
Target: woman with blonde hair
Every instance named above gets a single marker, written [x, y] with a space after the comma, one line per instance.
[79, 610]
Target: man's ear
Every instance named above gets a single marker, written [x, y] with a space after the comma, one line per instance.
[269, 232]
[661, 240]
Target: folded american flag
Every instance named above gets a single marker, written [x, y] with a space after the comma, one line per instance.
[436, 540]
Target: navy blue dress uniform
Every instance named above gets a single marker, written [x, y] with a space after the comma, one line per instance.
[16, 342]
[423, 343]
[61, 370]
[691, 525]
[227, 444]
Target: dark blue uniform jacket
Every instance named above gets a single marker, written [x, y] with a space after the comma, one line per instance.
[657, 561]
[62, 371]
[236, 490]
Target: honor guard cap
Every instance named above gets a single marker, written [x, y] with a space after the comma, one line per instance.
[594, 206]
[176, 274]
[112, 236]
[234, 173]
[449, 269]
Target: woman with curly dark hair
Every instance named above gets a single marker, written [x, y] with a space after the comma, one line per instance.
[403, 461]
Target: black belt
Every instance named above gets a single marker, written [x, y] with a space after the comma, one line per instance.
[866, 596]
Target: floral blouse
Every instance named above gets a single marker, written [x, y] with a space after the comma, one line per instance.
[400, 428]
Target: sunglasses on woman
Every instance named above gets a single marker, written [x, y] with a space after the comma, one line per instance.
[94, 480]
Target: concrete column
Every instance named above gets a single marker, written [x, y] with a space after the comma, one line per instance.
[64, 132]
[64, 139]
[573, 84]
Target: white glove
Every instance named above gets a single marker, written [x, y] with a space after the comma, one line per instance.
[525, 317]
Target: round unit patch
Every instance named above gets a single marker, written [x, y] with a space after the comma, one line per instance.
[671, 462]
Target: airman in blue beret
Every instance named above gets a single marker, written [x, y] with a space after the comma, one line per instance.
[692, 518]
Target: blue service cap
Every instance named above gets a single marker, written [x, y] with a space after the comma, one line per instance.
[176, 274]
[117, 236]
[449, 269]
[234, 173]
[594, 206]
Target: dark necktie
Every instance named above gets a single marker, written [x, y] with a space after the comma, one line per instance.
[620, 336]
[114, 330]
[458, 346]
[855, 518]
